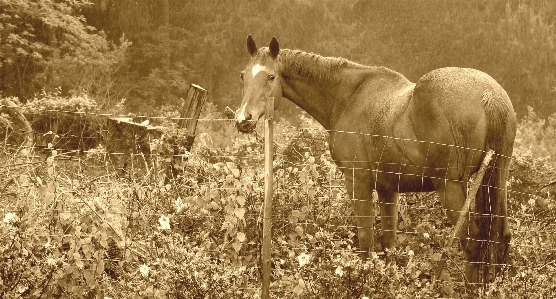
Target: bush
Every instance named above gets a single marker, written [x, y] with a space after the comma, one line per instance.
[77, 229]
[536, 137]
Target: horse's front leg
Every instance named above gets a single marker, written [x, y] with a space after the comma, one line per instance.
[360, 191]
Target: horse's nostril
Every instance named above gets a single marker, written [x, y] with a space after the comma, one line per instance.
[249, 117]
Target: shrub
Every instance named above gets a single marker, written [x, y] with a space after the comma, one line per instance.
[77, 229]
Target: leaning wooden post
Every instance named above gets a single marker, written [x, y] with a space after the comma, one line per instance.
[267, 208]
[469, 202]
[196, 96]
[189, 116]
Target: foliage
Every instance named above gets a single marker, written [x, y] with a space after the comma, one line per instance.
[67, 122]
[204, 42]
[54, 101]
[35, 34]
[6, 122]
[149, 52]
[89, 72]
[535, 137]
[81, 228]
[514, 43]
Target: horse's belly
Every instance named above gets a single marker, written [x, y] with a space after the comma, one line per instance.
[415, 184]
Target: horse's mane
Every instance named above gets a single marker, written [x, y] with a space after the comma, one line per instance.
[312, 65]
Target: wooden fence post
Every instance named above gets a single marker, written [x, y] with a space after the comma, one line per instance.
[268, 184]
[196, 96]
[469, 202]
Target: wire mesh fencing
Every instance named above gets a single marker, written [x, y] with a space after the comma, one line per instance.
[146, 217]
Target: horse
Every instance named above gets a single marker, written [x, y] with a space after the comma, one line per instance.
[390, 135]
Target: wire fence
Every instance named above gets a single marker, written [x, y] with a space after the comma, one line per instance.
[125, 203]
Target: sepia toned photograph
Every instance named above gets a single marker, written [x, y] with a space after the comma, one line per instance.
[277, 149]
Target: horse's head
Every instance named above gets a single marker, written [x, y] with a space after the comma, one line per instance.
[261, 80]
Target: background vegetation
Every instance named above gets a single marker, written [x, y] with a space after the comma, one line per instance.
[149, 51]
[116, 225]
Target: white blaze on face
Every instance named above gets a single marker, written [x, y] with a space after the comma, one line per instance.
[241, 114]
[256, 69]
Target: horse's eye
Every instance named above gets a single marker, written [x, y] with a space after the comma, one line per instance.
[241, 76]
[271, 77]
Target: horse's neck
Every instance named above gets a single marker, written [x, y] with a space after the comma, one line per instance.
[326, 100]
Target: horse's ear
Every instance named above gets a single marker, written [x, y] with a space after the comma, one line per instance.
[274, 47]
[251, 46]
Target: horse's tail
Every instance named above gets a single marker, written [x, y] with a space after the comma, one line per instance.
[491, 204]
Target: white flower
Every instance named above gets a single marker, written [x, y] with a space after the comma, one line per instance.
[303, 259]
[426, 235]
[164, 222]
[375, 255]
[364, 297]
[339, 271]
[144, 269]
[51, 262]
[10, 218]
[411, 253]
[366, 266]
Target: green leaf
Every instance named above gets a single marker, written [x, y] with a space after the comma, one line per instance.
[437, 256]
[237, 246]
[104, 243]
[240, 200]
[41, 190]
[299, 288]
[444, 275]
[48, 198]
[299, 230]
[78, 260]
[89, 277]
[214, 206]
[214, 193]
[100, 267]
[240, 236]
[448, 289]
[239, 212]
[51, 187]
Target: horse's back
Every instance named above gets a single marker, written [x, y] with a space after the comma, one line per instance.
[454, 109]
[459, 98]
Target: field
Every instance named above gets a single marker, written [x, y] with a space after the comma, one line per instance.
[120, 225]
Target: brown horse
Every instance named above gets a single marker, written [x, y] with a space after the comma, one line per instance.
[393, 136]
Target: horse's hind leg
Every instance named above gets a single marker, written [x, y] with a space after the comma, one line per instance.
[452, 196]
[388, 217]
[360, 191]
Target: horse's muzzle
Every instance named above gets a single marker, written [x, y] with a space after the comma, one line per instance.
[246, 126]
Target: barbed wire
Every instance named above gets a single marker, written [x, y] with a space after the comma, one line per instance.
[294, 185]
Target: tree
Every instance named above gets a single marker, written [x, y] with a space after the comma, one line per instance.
[32, 33]
[513, 41]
